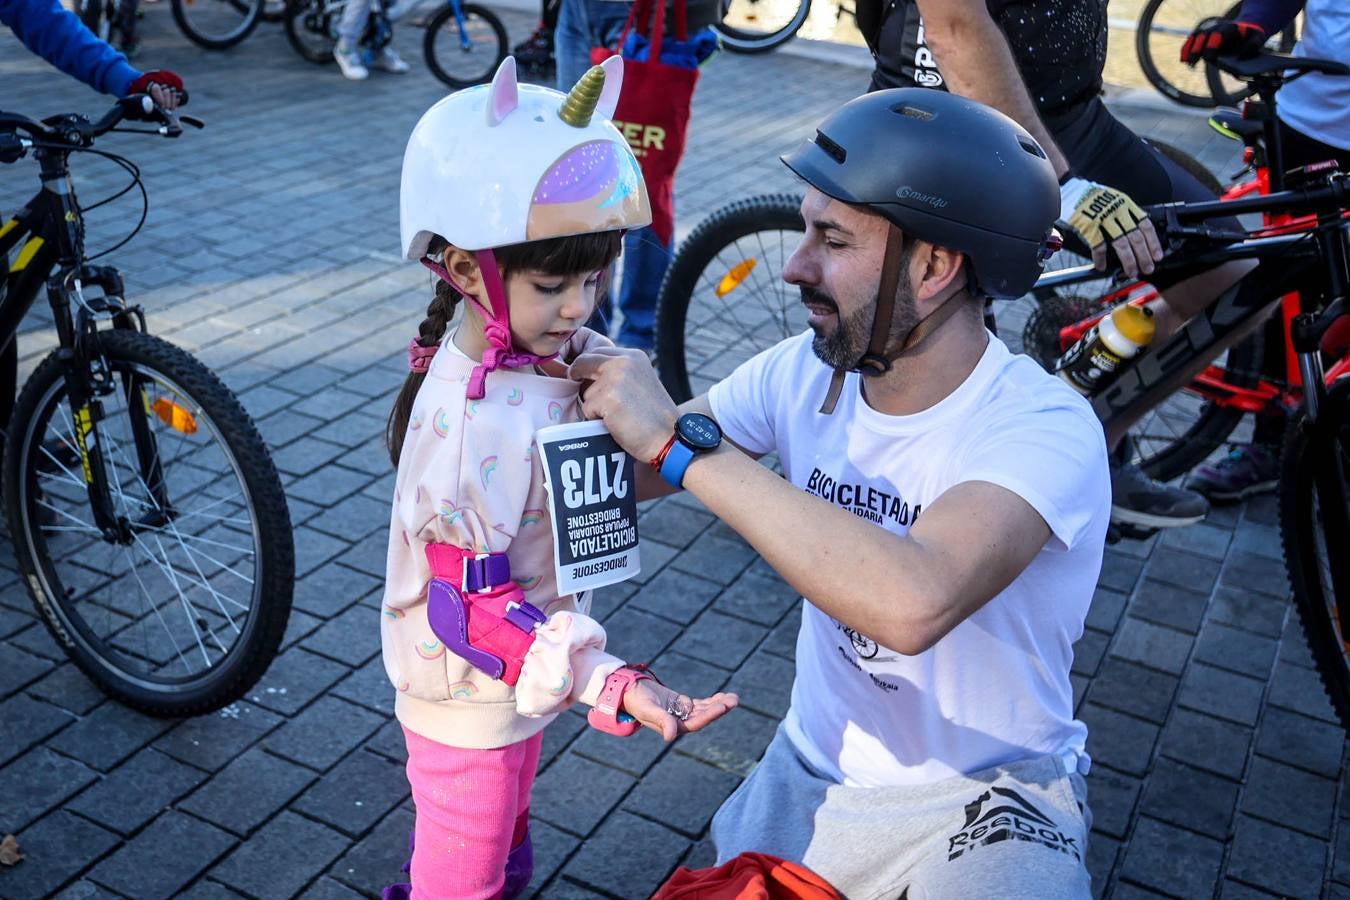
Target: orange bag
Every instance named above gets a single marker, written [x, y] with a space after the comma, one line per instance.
[750, 876]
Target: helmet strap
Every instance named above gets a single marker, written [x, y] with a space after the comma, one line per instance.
[501, 353]
[875, 360]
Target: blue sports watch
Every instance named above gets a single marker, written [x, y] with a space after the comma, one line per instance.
[695, 433]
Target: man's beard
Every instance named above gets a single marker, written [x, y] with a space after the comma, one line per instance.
[843, 348]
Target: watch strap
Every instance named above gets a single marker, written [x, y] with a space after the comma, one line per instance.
[605, 716]
[677, 460]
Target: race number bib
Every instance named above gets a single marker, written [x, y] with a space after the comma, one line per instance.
[593, 502]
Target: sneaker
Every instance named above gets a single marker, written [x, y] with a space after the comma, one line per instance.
[1248, 469]
[1140, 501]
[389, 60]
[536, 50]
[349, 61]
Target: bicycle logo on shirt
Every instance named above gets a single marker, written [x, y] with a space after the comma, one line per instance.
[866, 647]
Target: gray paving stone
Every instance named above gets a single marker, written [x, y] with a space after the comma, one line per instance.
[627, 857]
[764, 684]
[331, 589]
[721, 640]
[288, 853]
[314, 548]
[1301, 690]
[164, 858]
[13, 620]
[1255, 574]
[1279, 860]
[1292, 797]
[376, 859]
[1112, 797]
[1165, 603]
[248, 791]
[1190, 798]
[136, 791]
[559, 734]
[25, 722]
[36, 782]
[368, 686]
[1107, 608]
[734, 743]
[637, 636]
[716, 558]
[352, 637]
[18, 668]
[610, 599]
[1258, 540]
[280, 428]
[1181, 863]
[756, 598]
[1257, 613]
[782, 640]
[681, 793]
[1119, 572]
[675, 595]
[305, 455]
[1182, 569]
[359, 791]
[1088, 652]
[557, 801]
[1134, 689]
[1206, 742]
[674, 524]
[1237, 651]
[299, 625]
[1225, 694]
[84, 890]
[653, 556]
[1294, 646]
[1101, 859]
[552, 847]
[212, 740]
[703, 855]
[1203, 539]
[55, 849]
[1119, 740]
[1300, 741]
[323, 733]
[1152, 645]
[294, 679]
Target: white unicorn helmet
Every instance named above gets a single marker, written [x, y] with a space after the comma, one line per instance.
[507, 163]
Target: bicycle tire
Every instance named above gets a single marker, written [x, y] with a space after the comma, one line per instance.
[314, 44]
[235, 32]
[1309, 451]
[478, 74]
[740, 40]
[1212, 77]
[723, 228]
[67, 579]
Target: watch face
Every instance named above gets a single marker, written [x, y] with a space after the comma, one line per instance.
[698, 431]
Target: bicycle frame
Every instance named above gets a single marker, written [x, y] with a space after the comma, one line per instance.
[50, 227]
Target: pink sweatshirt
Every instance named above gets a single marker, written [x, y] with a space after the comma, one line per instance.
[468, 476]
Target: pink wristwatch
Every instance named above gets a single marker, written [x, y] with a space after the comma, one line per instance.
[608, 715]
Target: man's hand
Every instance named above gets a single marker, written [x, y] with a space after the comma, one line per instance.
[1100, 214]
[1222, 37]
[626, 393]
[163, 86]
[670, 713]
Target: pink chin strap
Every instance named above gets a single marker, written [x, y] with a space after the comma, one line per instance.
[497, 328]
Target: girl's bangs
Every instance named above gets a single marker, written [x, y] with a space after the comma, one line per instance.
[575, 254]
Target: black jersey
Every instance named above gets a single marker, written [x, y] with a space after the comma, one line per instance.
[1059, 46]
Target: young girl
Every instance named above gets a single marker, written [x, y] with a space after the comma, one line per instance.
[516, 197]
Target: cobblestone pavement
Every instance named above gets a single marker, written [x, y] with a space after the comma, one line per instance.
[270, 251]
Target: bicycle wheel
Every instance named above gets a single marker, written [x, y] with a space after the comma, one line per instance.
[183, 610]
[723, 298]
[1164, 26]
[311, 27]
[758, 26]
[1315, 529]
[466, 49]
[217, 24]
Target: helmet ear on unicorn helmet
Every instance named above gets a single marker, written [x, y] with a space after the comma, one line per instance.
[506, 163]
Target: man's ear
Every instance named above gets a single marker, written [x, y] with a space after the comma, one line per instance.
[937, 272]
[463, 266]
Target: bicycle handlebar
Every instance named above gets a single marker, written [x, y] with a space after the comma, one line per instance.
[1172, 216]
[76, 131]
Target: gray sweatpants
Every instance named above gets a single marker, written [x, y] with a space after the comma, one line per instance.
[1013, 831]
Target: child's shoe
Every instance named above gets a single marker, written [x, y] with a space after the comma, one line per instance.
[389, 60]
[349, 61]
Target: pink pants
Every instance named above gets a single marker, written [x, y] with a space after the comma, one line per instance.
[472, 808]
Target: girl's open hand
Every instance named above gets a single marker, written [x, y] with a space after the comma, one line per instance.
[670, 713]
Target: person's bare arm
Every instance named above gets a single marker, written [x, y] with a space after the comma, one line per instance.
[650, 484]
[973, 55]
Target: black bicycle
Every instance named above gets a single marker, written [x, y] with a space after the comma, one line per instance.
[149, 523]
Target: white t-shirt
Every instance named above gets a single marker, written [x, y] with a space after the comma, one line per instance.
[1319, 105]
[996, 688]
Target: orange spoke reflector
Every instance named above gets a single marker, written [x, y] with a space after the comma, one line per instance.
[738, 274]
[175, 416]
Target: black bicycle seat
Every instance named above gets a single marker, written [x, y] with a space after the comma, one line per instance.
[1266, 63]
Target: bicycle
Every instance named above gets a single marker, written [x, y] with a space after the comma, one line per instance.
[103, 18]
[1164, 26]
[463, 45]
[758, 26]
[149, 523]
[221, 24]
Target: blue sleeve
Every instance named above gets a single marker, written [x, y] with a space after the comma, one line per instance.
[1272, 15]
[59, 37]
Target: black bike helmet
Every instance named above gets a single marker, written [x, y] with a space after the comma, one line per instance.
[946, 170]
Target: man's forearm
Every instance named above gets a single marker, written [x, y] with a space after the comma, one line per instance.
[975, 61]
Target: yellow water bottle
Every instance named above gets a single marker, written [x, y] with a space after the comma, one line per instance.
[1101, 355]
